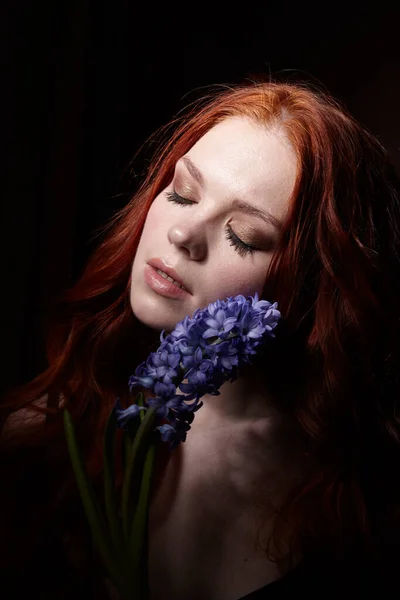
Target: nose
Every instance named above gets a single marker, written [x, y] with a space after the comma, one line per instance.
[189, 237]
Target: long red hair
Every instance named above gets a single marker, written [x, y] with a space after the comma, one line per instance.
[336, 278]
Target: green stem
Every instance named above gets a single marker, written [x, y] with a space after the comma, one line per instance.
[109, 482]
[90, 505]
[140, 402]
[138, 534]
[137, 446]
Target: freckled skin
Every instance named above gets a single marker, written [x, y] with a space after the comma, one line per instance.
[238, 158]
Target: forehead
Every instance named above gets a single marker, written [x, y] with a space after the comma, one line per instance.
[247, 160]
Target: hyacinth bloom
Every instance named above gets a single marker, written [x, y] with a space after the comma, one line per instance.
[196, 358]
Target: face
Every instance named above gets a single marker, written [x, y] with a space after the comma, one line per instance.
[214, 229]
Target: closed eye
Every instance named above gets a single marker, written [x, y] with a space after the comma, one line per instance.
[240, 247]
[177, 199]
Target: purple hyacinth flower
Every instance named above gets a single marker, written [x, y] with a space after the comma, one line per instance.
[126, 415]
[220, 325]
[164, 406]
[176, 431]
[200, 355]
[141, 378]
[164, 365]
[166, 399]
[167, 432]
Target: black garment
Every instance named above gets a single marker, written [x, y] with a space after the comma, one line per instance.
[326, 578]
[311, 580]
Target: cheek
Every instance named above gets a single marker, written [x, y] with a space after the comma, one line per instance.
[154, 221]
[238, 278]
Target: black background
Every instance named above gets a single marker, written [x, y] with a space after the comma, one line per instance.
[86, 83]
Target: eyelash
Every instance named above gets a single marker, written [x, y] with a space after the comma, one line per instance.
[240, 247]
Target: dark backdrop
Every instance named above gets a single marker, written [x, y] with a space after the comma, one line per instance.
[85, 83]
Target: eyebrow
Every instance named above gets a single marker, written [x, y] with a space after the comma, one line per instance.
[239, 204]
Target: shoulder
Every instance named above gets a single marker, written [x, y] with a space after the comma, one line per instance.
[24, 420]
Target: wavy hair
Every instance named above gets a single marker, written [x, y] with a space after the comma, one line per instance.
[336, 277]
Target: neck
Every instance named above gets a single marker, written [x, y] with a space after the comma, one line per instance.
[258, 445]
[244, 400]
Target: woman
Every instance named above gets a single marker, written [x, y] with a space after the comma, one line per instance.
[289, 479]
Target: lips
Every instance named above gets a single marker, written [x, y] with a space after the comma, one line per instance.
[157, 263]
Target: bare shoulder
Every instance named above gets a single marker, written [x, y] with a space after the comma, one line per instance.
[24, 419]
